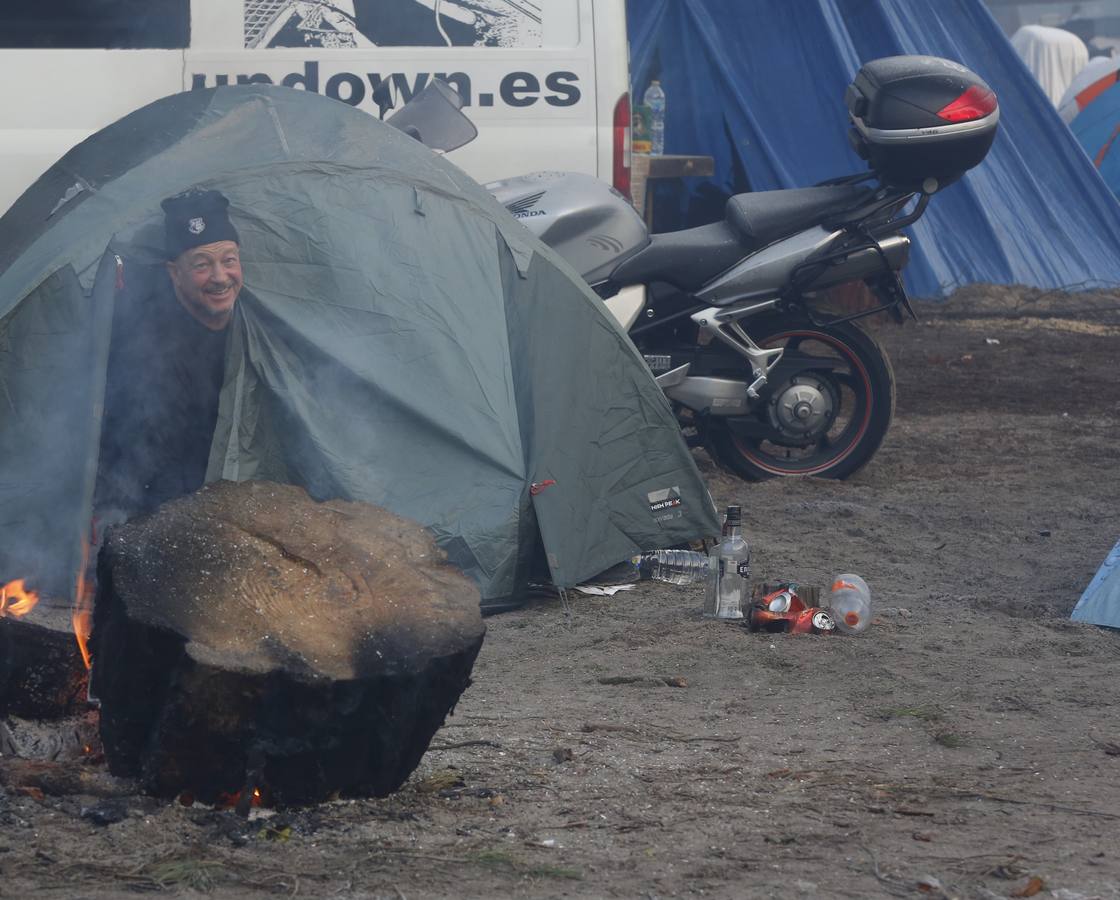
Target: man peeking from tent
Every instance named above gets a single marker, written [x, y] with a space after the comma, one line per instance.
[205, 259]
[166, 361]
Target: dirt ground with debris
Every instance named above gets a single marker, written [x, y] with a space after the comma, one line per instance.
[966, 746]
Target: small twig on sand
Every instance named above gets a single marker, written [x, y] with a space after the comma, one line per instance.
[646, 680]
[284, 880]
[459, 744]
[714, 738]
[589, 727]
[983, 795]
[893, 885]
[413, 855]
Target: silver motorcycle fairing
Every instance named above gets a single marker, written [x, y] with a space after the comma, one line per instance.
[766, 272]
[583, 219]
[770, 270]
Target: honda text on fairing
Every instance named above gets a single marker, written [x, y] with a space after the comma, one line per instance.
[730, 316]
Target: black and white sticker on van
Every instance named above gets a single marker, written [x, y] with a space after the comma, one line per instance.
[347, 24]
[516, 90]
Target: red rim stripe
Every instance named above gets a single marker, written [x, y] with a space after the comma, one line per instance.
[863, 425]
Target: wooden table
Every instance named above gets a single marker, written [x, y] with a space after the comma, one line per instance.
[645, 168]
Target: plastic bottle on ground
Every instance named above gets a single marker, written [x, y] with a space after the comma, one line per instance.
[850, 604]
[654, 99]
[672, 566]
[734, 568]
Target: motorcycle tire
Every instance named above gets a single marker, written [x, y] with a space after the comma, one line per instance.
[843, 367]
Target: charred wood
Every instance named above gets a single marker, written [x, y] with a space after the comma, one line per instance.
[58, 779]
[74, 738]
[42, 675]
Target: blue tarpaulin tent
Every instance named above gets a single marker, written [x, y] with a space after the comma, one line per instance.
[1097, 127]
[1100, 604]
[760, 86]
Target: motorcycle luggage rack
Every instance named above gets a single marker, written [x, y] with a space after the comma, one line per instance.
[892, 284]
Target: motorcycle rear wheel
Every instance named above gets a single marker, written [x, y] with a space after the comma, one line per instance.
[841, 367]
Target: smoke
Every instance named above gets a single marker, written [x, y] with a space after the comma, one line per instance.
[46, 421]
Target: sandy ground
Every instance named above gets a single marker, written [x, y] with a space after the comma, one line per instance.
[966, 746]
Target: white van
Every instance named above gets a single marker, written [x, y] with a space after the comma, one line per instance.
[545, 81]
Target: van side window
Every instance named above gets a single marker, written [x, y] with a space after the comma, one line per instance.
[95, 24]
[393, 23]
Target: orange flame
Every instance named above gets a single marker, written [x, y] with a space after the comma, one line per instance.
[16, 600]
[229, 800]
[82, 614]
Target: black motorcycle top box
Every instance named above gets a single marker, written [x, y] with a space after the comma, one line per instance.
[916, 118]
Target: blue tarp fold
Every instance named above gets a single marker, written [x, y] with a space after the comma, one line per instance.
[760, 85]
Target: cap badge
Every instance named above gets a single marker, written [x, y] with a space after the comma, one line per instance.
[196, 226]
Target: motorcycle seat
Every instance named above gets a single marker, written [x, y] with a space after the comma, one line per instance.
[763, 217]
[685, 259]
[690, 259]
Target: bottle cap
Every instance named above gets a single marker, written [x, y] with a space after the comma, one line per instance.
[734, 515]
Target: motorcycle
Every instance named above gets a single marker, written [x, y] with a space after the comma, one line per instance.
[733, 317]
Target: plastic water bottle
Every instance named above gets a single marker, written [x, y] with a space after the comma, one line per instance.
[850, 604]
[654, 99]
[673, 566]
[734, 569]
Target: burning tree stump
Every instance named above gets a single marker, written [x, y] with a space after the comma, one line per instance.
[247, 637]
[42, 675]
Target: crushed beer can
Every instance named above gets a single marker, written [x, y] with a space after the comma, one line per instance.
[786, 607]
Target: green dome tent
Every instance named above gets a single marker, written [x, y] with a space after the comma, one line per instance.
[401, 340]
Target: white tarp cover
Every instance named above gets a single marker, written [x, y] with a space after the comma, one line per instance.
[1053, 55]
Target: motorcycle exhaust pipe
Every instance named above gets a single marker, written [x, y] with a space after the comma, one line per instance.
[863, 262]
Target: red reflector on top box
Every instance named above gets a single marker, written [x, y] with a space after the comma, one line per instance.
[975, 103]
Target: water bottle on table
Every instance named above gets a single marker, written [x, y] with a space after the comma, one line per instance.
[654, 100]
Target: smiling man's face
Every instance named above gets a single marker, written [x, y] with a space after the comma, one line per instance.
[207, 280]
